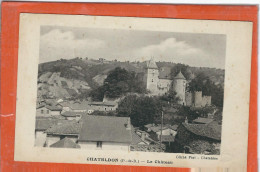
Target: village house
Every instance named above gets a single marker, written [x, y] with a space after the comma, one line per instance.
[75, 106]
[106, 133]
[41, 125]
[48, 111]
[61, 130]
[198, 138]
[103, 106]
[165, 134]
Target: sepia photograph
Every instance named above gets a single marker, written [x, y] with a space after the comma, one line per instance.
[128, 90]
[133, 91]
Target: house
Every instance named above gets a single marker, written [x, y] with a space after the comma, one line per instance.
[156, 130]
[103, 106]
[65, 143]
[198, 138]
[201, 120]
[62, 129]
[106, 133]
[41, 125]
[48, 111]
[75, 106]
[165, 134]
[70, 115]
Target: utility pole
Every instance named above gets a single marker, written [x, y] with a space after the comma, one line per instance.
[161, 131]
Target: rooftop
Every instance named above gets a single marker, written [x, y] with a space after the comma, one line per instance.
[72, 114]
[66, 128]
[105, 128]
[151, 64]
[203, 120]
[53, 108]
[65, 143]
[179, 76]
[165, 73]
[44, 123]
[206, 130]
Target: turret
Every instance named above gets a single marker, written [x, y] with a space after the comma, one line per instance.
[179, 86]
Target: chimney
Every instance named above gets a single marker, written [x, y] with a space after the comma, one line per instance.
[186, 120]
[128, 124]
[143, 136]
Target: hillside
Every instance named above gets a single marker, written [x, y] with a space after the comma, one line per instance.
[86, 74]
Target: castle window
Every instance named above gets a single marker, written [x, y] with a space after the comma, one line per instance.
[152, 80]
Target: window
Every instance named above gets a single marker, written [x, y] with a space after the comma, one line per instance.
[99, 144]
[41, 111]
[152, 80]
[48, 111]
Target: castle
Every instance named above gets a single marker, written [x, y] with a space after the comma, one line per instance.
[159, 82]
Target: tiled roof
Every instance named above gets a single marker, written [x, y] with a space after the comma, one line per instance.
[179, 76]
[45, 123]
[65, 143]
[66, 128]
[53, 108]
[105, 128]
[76, 106]
[211, 131]
[71, 92]
[72, 114]
[165, 73]
[135, 138]
[203, 120]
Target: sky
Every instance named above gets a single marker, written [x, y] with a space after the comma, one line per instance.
[199, 50]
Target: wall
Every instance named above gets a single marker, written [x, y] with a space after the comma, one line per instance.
[206, 100]
[55, 113]
[105, 146]
[189, 99]
[51, 139]
[102, 108]
[43, 112]
[164, 86]
[179, 86]
[40, 138]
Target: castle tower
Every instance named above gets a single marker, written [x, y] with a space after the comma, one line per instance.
[198, 98]
[152, 77]
[179, 86]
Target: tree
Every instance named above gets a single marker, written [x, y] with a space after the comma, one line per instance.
[119, 82]
[141, 110]
[170, 97]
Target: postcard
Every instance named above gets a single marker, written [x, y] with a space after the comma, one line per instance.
[133, 91]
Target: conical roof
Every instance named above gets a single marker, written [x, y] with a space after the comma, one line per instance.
[151, 64]
[65, 143]
[179, 76]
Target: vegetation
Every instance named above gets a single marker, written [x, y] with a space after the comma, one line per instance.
[142, 110]
[180, 67]
[119, 82]
[204, 84]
